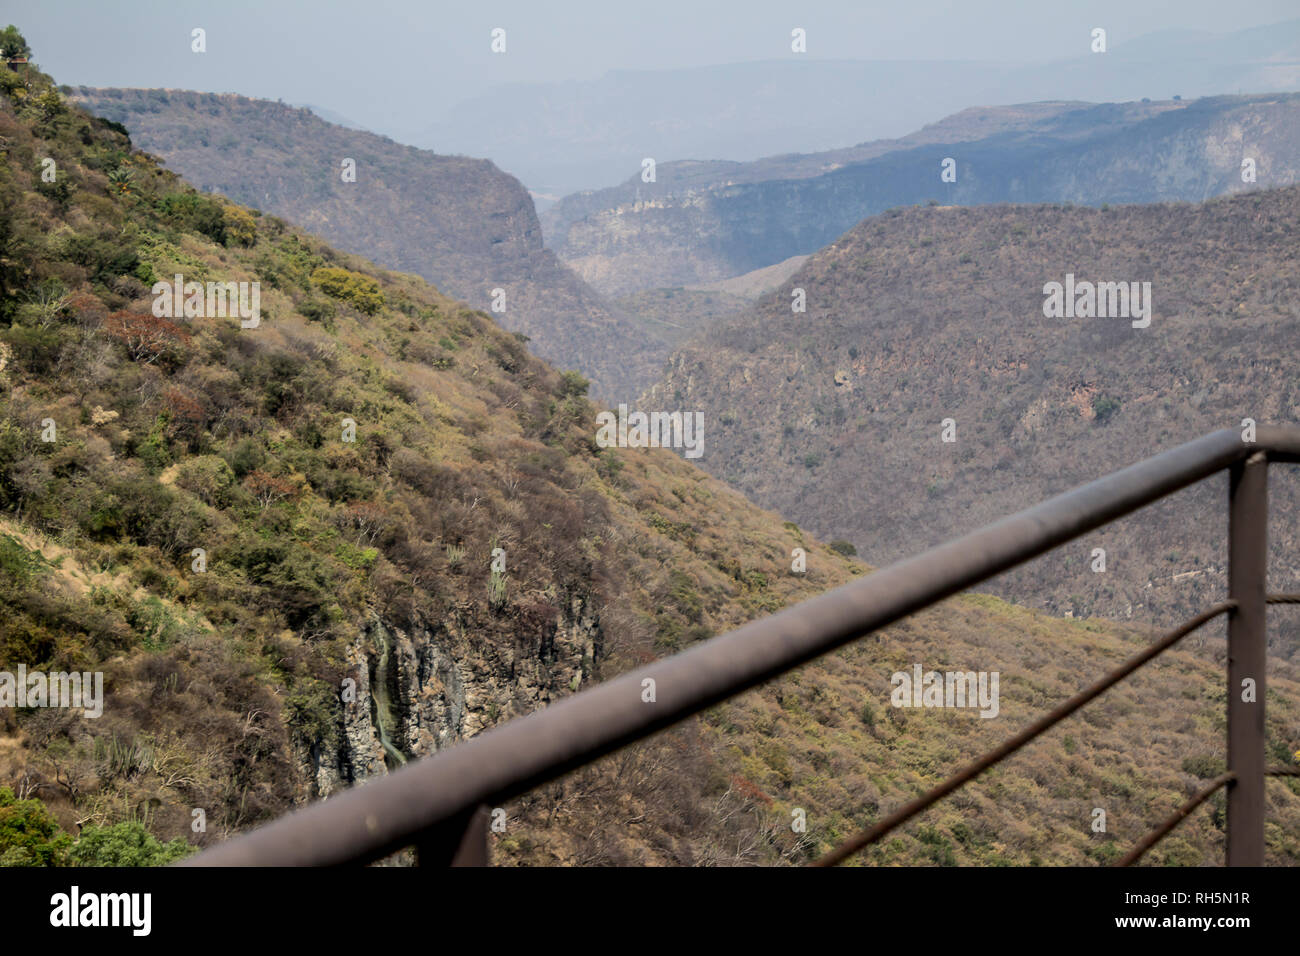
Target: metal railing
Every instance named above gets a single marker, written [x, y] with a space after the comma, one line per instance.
[438, 803]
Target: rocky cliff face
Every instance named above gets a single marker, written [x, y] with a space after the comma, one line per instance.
[1113, 153]
[422, 686]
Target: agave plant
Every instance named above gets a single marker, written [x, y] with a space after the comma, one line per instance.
[122, 179]
[497, 591]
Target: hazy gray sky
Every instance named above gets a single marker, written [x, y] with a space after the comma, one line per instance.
[387, 63]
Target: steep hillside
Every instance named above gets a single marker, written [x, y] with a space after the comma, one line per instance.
[461, 223]
[664, 235]
[925, 314]
[274, 534]
[349, 466]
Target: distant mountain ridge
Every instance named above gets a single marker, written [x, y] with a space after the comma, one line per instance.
[688, 177]
[694, 226]
[573, 136]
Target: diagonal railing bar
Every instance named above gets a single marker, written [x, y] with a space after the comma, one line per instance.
[1282, 599]
[1156, 835]
[1046, 722]
[427, 801]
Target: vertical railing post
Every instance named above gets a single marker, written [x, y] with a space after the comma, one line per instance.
[462, 841]
[1247, 572]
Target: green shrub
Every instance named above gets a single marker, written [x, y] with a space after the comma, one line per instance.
[317, 310]
[314, 713]
[360, 290]
[210, 478]
[1104, 853]
[247, 456]
[59, 191]
[29, 834]
[194, 212]
[573, 384]
[239, 225]
[9, 82]
[1205, 766]
[687, 600]
[36, 350]
[127, 844]
[16, 562]
[1104, 407]
[105, 257]
[110, 124]
[868, 714]
[937, 847]
[297, 582]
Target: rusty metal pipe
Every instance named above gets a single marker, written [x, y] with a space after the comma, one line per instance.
[1247, 659]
